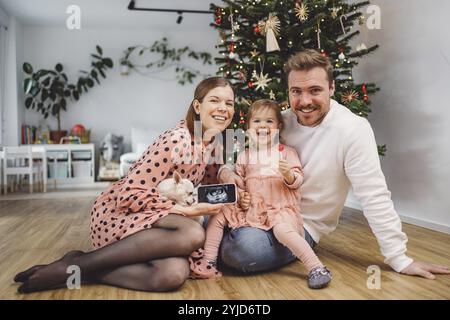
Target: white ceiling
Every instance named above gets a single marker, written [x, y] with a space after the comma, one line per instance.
[106, 13]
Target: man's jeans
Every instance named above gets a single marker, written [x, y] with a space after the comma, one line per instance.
[250, 250]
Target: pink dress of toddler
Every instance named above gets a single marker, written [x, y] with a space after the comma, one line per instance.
[275, 204]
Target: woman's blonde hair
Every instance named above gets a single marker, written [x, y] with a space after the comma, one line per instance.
[263, 104]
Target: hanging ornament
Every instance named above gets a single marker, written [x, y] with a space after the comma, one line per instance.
[262, 80]
[235, 26]
[246, 102]
[350, 96]
[241, 117]
[341, 56]
[254, 53]
[361, 20]
[364, 90]
[250, 84]
[342, 23]
[232, 55]
[361, 47]
[318, 35]
[301, 11]
[272, 95]
[242, 74]
[334, 12]
[284, 105]
[256, 29]
[218, 16]
[271, 28]
[323, 53]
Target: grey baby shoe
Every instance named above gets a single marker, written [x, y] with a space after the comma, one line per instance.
[319, 277]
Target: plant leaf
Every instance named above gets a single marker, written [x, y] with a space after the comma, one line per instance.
[28, 85]
[28, 102]
[55, 109]
[108, 62]
[90, 83]
[99, 50]
[27, 68]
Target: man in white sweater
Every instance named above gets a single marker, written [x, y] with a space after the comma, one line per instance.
[338, 151]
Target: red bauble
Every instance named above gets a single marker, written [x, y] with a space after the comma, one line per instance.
[250, 84]
[280, 147]
[366, 98]
[364, 89]
[256, 29]
[218, 21]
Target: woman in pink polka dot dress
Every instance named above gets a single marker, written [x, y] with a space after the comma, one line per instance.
[141, 240]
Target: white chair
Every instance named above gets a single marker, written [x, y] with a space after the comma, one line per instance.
[18, 161]
[140, 140]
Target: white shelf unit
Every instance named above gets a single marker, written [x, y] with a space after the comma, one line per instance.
[62, 159]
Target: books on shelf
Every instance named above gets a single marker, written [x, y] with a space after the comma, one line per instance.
[29, 134]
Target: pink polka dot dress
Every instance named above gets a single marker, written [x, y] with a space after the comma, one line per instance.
[133, 204]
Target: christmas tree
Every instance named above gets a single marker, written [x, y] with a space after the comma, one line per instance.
[258, 37]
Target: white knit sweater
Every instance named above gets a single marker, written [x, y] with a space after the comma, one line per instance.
[339, 154]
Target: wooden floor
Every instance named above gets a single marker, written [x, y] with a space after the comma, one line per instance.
[39, 231]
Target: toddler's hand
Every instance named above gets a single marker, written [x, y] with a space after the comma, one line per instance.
[286, 170]
[244, 200]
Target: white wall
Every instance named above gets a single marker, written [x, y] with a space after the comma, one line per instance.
[119, 102]
[411, 113]
[13, 113]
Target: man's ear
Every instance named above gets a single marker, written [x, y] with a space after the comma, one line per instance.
[332, 88]
[177, 177]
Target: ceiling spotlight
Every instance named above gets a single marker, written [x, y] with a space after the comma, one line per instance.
[180, 17]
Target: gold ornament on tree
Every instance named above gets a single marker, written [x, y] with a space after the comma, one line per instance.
[301, 11]
[272, 95]
[254, 53]
[361, 19]
[349, 96]
[334, 12]
[261, 81]
[271, 28]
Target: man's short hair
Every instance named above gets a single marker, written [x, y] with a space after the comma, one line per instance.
[307, 60]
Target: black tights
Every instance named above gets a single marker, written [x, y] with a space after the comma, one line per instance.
[150, 260]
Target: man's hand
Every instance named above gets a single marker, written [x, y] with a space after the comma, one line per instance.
[244, 200]
[286, 170]
[228, 176]
[425, 269]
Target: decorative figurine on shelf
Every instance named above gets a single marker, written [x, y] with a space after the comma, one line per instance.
[70, 140]
[111, 149]
[80, 131]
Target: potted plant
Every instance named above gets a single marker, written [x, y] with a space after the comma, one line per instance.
[49, 91]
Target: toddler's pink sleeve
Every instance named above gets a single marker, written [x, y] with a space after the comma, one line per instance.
[293, 159]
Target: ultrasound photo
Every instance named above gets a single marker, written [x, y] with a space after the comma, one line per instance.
[221, 193]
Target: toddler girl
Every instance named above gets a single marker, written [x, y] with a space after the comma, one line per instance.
[272, 175]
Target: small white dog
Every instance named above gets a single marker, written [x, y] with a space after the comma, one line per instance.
[180, 190]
